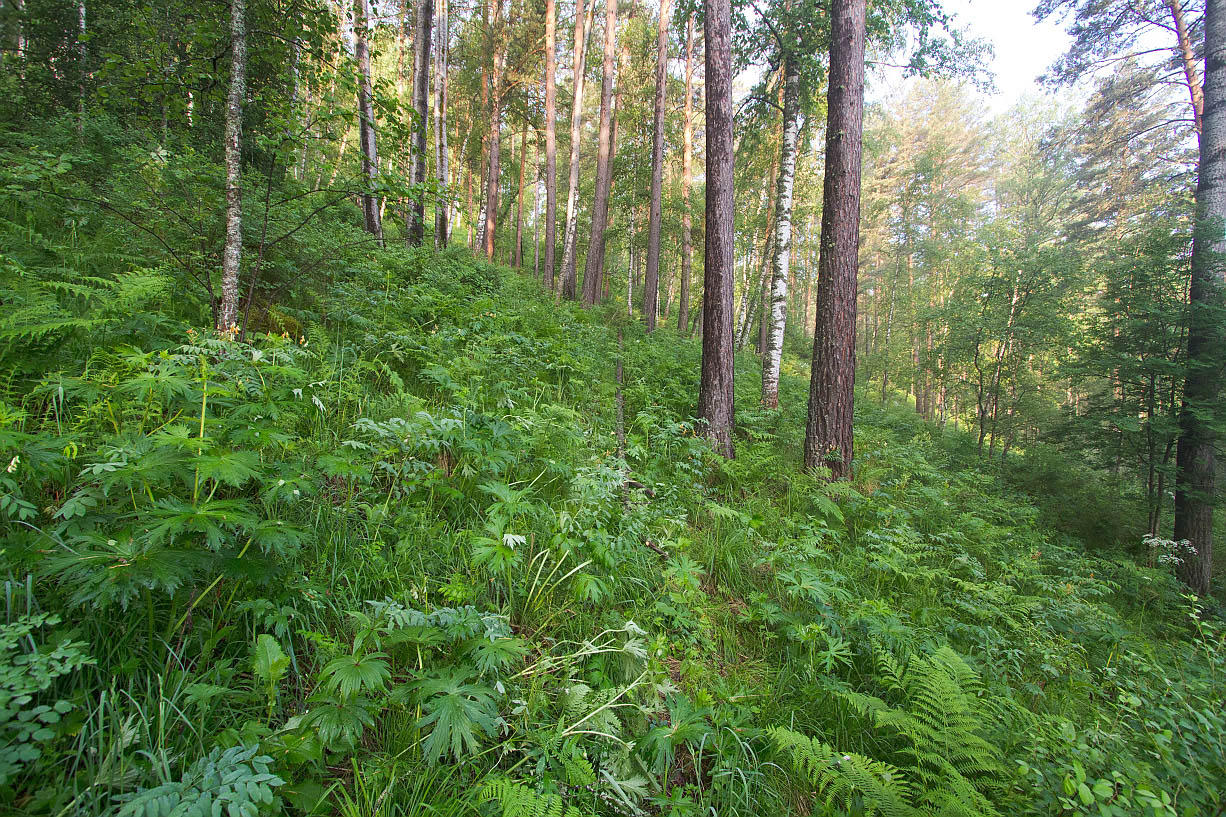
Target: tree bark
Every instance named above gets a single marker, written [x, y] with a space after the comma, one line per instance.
[715, 394]
[366, 123]
[1195, 484]
[594, 268]
[519, 207]
[232, 256]
[687, 161]
[1187, 55]
[421, 96]
[82, 73]
[569, 251]
[551, 138]
[828, 433]
[651, 282]
[536, 210]
[776, 314]
[494, 173]
[442, 210]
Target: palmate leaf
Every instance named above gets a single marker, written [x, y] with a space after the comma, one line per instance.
[104, 572]
[340, 723]
[495, 655]
[158, 384]
[214, 519]
[273, 536]
[233, 468]
[458, 714]
[350, 674]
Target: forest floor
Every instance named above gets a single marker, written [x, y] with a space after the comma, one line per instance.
[392, 557]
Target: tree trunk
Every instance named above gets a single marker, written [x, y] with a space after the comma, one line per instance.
[569, 250]
[651, 283]
[594, 268]
[536, 210]
[82, 73]
[551, 138]
[623, 67]
[687, 160]
[416, 227]
[232, 256]
[442, 210]
[715, 394]
[1195, 482]
[519, 206]
[494, 173]
[366, 123]
[828, 433]
[1187, 55]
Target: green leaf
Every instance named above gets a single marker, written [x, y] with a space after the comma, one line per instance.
[350, 674]
[233, 468]
[459, 714]
[269, 661]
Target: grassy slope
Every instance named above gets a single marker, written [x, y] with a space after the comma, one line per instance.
[445, 438]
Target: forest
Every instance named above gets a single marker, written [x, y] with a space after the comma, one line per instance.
[502, 408]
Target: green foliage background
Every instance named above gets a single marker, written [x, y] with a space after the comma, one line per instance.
[386, 557]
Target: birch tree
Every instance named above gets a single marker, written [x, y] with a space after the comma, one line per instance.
[569, 250]
[651, 280]
[366, 122]
[421, 97]
[594, 268]
[232, 256]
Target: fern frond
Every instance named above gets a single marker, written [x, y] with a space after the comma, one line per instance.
[517, 800]
[848, 782]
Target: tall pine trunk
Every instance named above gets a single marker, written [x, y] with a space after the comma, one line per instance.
[366, 123]
[828, 433]
[421, 97]
[569, 250]
[551, 138]
[1195, 484]
[715, 393]
[442, 210]
[651, 282]
[232, 256]
[594, 269]
[774, 314]
[687, 161]
[1187, 55]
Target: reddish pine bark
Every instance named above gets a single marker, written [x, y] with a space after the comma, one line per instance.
[828, 433]
[715, 393]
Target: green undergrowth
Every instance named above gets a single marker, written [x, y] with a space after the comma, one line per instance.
[389, 557]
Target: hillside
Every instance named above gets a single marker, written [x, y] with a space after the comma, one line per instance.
[411, 549]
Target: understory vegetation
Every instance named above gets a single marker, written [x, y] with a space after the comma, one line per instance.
[411, 548]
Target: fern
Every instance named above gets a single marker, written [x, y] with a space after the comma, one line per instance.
[517, 800]
[940, 719]
[849, 782]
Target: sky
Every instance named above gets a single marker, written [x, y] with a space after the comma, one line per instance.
[1024, 47]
